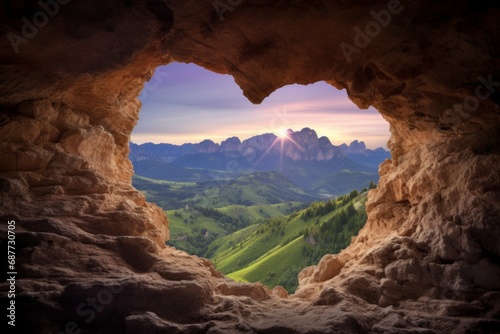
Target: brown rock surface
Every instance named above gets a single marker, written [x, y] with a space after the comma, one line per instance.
[90, 250]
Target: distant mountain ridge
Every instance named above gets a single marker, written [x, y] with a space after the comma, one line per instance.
[312, 163]
[303, 145]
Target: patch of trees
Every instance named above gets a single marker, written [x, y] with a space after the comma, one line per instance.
[222, 218]
[324, 236]
[164, 195]
[333, 235]
[318, 209]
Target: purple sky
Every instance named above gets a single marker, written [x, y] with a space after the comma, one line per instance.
[185, 103]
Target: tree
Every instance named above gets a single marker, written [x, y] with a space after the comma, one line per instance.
[353, 194]
[306, 233]
[350, 210]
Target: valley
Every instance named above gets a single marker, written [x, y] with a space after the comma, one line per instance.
[266, 242]
[262, 216]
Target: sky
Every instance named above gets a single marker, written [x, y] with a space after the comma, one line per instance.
[184, 103]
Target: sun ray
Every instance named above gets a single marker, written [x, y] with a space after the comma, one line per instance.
[295, 143]
[282, 144]
[267, 151]
[282, 135]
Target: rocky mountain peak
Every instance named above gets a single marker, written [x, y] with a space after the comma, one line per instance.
[230, 144]
[305, 145]
[324, 141]
[308, 132]
[206, 146]
[257, 143]
[355, 147]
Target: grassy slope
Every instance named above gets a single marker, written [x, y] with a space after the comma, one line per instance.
[258, 188]
[257, 212]
[267, 267]
[252, 245]
[197, 221]
[179, 230]
[248, 255]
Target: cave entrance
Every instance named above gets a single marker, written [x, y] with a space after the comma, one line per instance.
[262, 190]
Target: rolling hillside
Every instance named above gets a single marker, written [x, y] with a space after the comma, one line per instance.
[274, 251]
[193, 229]
[258, 227]
[257, 188]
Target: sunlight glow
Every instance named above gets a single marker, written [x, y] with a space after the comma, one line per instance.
[282, 133]
[281, 137]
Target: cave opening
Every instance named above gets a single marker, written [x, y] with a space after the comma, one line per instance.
[199, 143]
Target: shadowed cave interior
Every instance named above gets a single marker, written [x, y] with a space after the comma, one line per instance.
[90, 251]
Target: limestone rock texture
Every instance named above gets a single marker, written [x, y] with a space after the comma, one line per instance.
[90, 252]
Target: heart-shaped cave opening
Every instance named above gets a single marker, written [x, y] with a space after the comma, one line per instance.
[243, 189]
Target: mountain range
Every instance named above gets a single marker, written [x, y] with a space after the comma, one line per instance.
[303, 145]
[313, 163]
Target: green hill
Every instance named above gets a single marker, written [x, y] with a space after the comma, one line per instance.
[256, 188]
[341, 182]
[252, 214]
[255, 227]
[274, 251]
[193, 229]
[165, 194]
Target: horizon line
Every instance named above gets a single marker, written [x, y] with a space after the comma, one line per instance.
[242, 140]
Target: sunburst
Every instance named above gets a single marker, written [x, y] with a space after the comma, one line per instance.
[282, 135]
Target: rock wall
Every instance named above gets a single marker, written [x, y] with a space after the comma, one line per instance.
[90, 250]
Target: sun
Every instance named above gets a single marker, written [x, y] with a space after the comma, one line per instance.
[282, 133]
